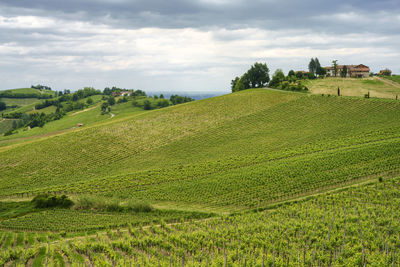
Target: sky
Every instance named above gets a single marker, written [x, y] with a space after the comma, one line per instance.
[187, 45]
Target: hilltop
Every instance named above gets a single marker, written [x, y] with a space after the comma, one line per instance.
[376, 86]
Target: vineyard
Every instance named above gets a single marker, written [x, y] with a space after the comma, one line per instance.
[266, 147]
[254, 178]
[354, 227]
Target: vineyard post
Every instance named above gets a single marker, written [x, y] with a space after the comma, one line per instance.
[393, 258]
[273, 258]
[226, 261]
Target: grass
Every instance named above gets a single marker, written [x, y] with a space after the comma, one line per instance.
[15, 209]
[19, 101]
[89, 116]
[5, 125]
[354, 87]
[30, 91]
[394, 78]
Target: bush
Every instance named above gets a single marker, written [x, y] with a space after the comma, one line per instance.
[147, 105]
[138, 206]
[47, 201]
[111, 204]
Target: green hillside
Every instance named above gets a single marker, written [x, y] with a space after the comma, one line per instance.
[25, 93]
[254, 178]
[256, 147]
[378, 87]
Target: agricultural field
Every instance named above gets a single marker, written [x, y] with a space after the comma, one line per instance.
[356, 226]
[268, 178]
[394, 78]
[377, 87]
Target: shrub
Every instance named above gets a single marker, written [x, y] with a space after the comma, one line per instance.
[111, 204]
[46, 201]
[138, 206]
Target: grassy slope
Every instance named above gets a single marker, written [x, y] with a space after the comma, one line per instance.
[30, 91]
[19, 101]
[394, 78]
[5, 125]
[88, 117]
[254, 148]
[354, 87]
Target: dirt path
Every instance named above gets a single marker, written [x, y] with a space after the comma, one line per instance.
[392, 83]
[83, 110]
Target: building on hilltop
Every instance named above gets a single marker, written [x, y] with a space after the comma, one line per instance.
[385, 72]
[353, 71]
[125, 93]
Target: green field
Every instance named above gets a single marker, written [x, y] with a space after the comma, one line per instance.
[378, 87]
[395, 78]
[32, 91]
[5, 125]
[292, 179]
[19, 101]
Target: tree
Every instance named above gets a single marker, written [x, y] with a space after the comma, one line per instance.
[321, 71]
[234, 82]
[111, 100]
[343, 73]
[239, 86]
[317, 64]
[277, 78]
[299, 74]
[89, 101]
[104, 107]
[258, 75]
[3, 106]
[147, 105]
[312, 66]
[311, 75]
[335, 69]
[291, 73]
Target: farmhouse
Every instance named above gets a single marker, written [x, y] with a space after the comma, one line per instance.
[125, 93]
[353, 71]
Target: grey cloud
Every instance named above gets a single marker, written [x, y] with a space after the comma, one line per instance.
[196, 14]
[40, 55]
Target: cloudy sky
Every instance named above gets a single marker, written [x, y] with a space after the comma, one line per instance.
[187, 45]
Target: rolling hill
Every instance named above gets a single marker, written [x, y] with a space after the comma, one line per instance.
[255, 148]
[291, 179]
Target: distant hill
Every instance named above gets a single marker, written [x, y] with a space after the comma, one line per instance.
[26, 93]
